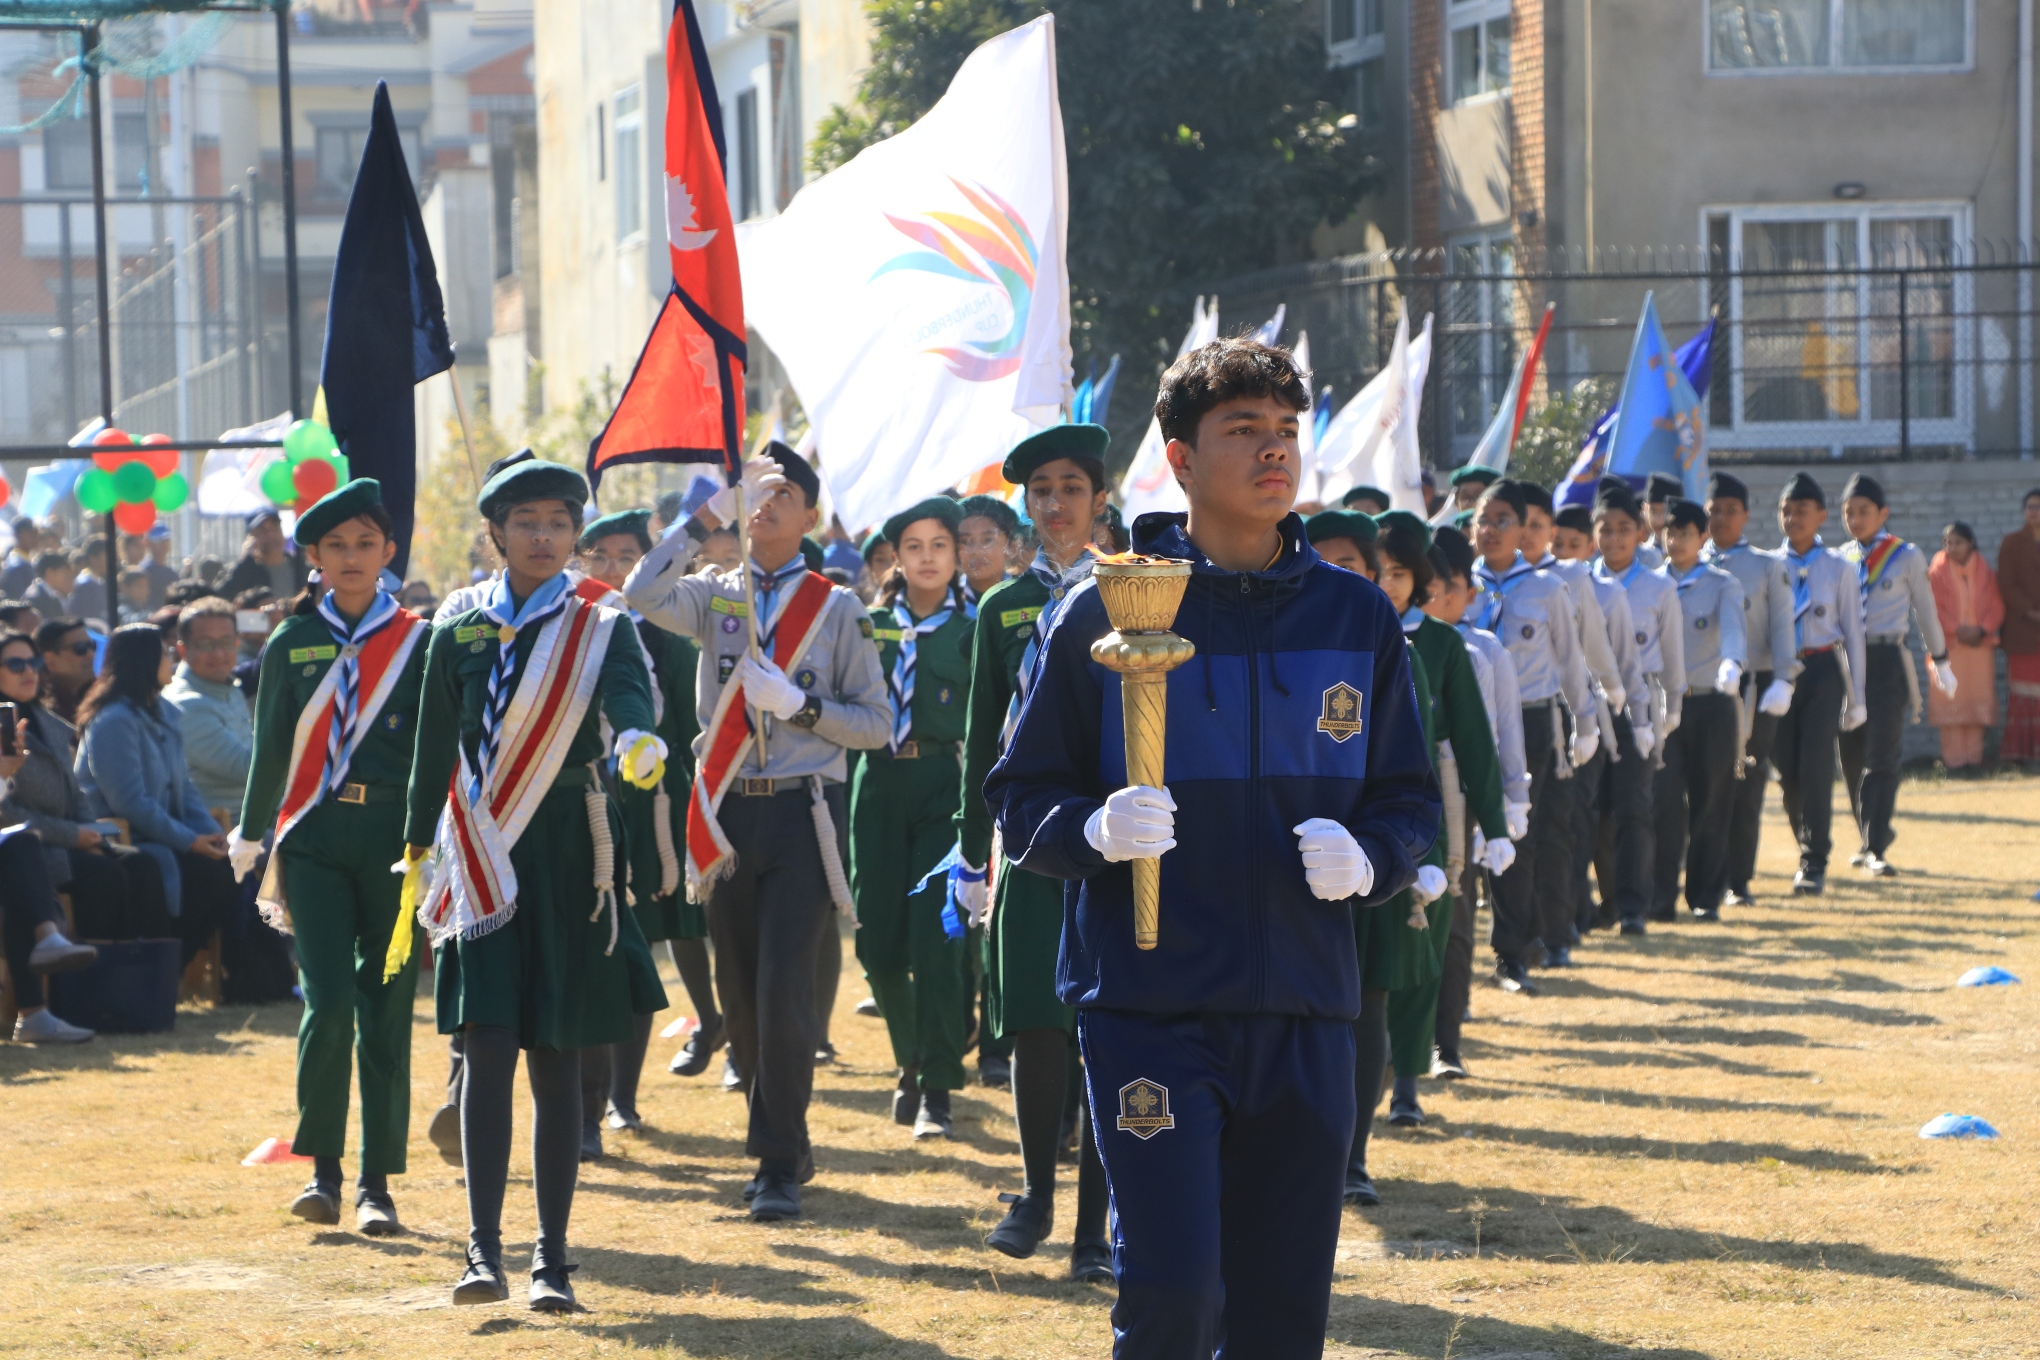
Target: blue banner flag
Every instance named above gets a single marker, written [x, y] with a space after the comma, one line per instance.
[1695, 365]
[385, 324]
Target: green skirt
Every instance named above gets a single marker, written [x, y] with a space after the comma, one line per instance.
[670, 917]
[548, 975]
[1023, 942]
[1393, 955]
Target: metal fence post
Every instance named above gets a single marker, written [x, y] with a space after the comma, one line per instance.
[1904, 375]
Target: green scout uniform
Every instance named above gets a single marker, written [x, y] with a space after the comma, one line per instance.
[1392, 955]
[1023, 937]
[343, 899]
[902, 812]
[544, 976]
[1456, 714]
[672, 917]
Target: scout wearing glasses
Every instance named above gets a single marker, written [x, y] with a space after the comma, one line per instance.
[336, 717]
[533, 949]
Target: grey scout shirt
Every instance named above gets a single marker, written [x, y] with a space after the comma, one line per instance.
[1710, 601]
[1614, 601]
[1901, 587]
[1531, 611]
[1767, 605]
[1827, 608]
[1593, 629]
[1657, 628]
[840, 665]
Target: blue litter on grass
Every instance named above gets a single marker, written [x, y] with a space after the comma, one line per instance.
[1990, 976]
[1957, 1126]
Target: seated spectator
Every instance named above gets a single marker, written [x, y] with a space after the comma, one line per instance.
[87, 599]
[116, 890]
[161, 574]
[265, 561]
[18, 617]
[17, 573]
[257, 611]
[214, 716]
[134, 596]
[32, 936]
[131, 765]
[207, 572]
[68, 655]
[54, 577]
[184, 592]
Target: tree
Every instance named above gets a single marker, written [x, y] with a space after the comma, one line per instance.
[1552, 436]
[1204, 140]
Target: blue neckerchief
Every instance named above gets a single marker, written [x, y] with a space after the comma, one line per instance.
[1863, 551]
[1495, 590]
[766, 625]
[1802, 589]
[900, 684]
[1049, 575]
[343, 736]
[1635, 566]
[511, 619]
[1690, 577]
[1412, 619]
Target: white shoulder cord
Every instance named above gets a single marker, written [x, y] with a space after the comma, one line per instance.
[597, 804]
[832, 859]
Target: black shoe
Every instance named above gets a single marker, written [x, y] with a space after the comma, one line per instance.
[483, 1282]
[1806, 884]
[1881, 867]
[801, 1176]
[1446, 1066]
[1360, 1188]
[1739, 897]
[1512, 976]
[1707, 913]
[699, 1051]
[444, 1133]
[825, 1053]
[1559, 956]
[995, 1071]
[1091, 1262]
[624, 1119]
[776, 1198]
[1025, 1226]
[591, 1140]
[552, 1291]
[1634, 926]
[1405, 1116]
[1605, 916]
[375, 1214]
[906, 1097]
[317, 1204]
[932, 1119]
[732, 1080]
[1664, 915]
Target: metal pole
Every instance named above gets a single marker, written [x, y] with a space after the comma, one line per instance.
[100, 250]
[257, 326]
[1904, 376]
[460, 409]
[246, 282]
[67, 300]
[290, 260]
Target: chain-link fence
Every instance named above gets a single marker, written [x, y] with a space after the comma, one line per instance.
[1881, 340]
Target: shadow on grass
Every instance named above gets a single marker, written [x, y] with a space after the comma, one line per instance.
[1645, 1100]
[671, 1274]
[1713, 1151]
[1377, 1325]
[202, 1031]
[1851, 1012]
[797, 1338]
[960, 1278]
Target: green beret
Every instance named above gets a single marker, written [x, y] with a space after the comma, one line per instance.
[635, 523]
[811, 553]
[1367, 493]
[532, 480]
[873, 541]
[335, 508]
[935, 507]
[1083, 445]
[1403, 524]
[1339, 524]
[1475, 473]
[1462, 519]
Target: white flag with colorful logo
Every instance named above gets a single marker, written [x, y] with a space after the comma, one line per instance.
[918, 297]
[1149, 484]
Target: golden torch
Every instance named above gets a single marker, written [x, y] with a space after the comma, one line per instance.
[1142, 595]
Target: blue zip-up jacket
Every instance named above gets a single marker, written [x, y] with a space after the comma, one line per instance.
[1259, 739]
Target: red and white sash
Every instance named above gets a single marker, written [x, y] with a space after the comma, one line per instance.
[476, 888]
[709, 856]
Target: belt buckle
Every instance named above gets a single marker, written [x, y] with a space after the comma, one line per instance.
[909, 750]
[757, 788]
[354, 793]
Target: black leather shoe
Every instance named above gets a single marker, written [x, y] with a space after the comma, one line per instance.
[1025, 1226]
[1360, 1188]
[777, 1198]
[1707, 914]
[483, 1282]
[1635, 926]
[1806, 884]
[1091, 1262]
[732, 1079]
[1446, 1066]
[1405, 1116]
[591, 1140]
[552, 1291]
[1512, 976]
[825, 1053]
[1739, 897]
[375, 1214]
[906, 1097]
[444, 1133]
[1559, 956]
[932, 1119]
[995, 1071]
[699, 1051]
[317, 1204]
[624, 1119]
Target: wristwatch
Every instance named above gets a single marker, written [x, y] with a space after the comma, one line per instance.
[810, 713]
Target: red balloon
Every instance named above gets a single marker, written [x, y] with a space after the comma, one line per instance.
[162, 462]
[136, 517]
[6, 491]
[114, 459]
[313, 478]
[155, 439]
[111, 436]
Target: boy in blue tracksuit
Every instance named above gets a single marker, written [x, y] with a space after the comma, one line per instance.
[1220, 1064]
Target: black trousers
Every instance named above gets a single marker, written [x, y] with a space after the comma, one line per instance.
[1805, 755]
[1586, 798]
[1690, 801]
[1623, 853]
[1746, 813]
[1455, 986]
[1870, 753]
[117, 894]
[1533, 896]
[26, 901]
[767, 920]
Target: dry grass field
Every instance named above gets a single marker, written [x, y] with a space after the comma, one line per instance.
[1702, 1144]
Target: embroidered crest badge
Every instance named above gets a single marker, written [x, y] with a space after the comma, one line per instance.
[1144, 1108]
[1341, 718]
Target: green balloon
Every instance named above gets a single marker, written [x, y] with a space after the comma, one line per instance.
[277, 483]
[134, 482]
[305, 439]
[171, 492]
[95, 491]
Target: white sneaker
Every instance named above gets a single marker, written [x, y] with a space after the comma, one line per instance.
[55, 954]
[43, 1027]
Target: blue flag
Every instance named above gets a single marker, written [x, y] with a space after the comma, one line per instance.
[1658, 425]
[385, 324]
[1695, 361]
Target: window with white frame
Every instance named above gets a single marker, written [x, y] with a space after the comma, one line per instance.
[1845, 324]
[749, 200]
[1838, 35]
[1479, 331]
[1355, 40]
[1476, 48]
[629, 126]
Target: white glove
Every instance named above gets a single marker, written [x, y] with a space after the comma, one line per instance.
[1497, 856]
[1728, 677]
[1944, 677]
[967, 887]
[1136, 822]
[640, 773]
[1430, 885]
[1618, 699]
[1333, 863]
[1777, 700]
[1517, 815]
[761, 478]
[242, 854]
[1645, 739]
[1854, 717]
[767, 689]
[1585, 742]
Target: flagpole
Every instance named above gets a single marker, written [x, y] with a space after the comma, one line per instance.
[460, 409]
[743, 527]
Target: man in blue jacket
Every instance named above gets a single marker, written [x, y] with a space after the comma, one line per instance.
[1220, 1064]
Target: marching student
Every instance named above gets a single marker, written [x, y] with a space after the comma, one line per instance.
[1827, 623]
[1695, 783]
[1345, 538]
[1366, 500]
[1624, 853]
[1773, 665]
[1467, 484]
[903, 801]
[781, 697]
[1893, 576]
[336, 717]
[504, 785]
[1532, 612]
[1660, 489]
[1220, 1063]
[1063, 471]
